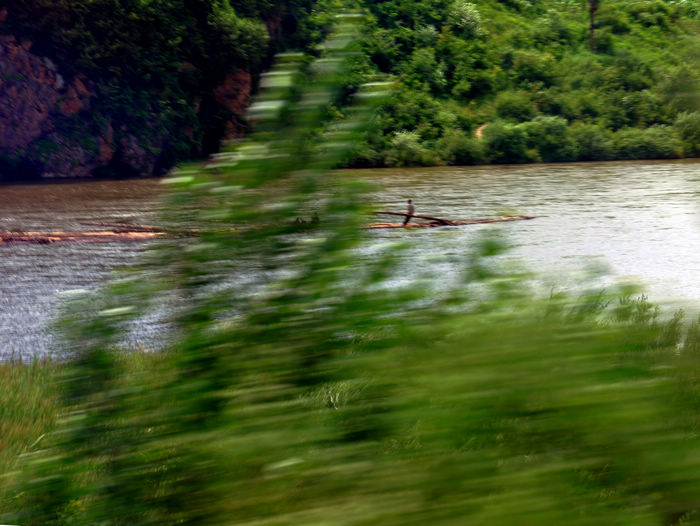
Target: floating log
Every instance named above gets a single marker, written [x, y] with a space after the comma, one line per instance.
[99, 236]
[435, 222]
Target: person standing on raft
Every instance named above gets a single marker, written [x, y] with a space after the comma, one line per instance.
[411, 211]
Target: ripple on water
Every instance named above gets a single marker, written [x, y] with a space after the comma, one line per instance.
[639, 220]
[35, 275]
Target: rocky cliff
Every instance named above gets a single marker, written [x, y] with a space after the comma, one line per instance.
[47, 129]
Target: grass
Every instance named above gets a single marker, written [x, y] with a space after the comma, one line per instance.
[30, 406]
[28, 410]
[498, 400]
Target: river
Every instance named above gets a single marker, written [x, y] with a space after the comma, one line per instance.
[638, 221]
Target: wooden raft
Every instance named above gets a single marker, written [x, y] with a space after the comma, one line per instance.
[96, 236]
[122, 232]
[437, 221]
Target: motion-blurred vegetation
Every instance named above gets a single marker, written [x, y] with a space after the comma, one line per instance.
[304, 385]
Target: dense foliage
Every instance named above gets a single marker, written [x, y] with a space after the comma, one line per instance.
[516, 81]
[484, 81]
[154, 64]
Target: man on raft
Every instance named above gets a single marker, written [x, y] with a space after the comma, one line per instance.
[411, 211]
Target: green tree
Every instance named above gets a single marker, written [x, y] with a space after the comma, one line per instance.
[465, 18]
[508, 143]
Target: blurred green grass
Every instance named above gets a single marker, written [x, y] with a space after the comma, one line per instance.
[521, 410]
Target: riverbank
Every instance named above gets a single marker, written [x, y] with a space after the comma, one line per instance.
[30, 406]
[28, 411]
[574, 406]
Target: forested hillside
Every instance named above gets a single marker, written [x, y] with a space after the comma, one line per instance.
[518, 81]
[129, 87]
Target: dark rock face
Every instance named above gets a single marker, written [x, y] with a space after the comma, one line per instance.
[46, 125]
[233, 94]
[33, 95]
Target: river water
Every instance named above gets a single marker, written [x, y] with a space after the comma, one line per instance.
[33, 276]
[639, 221]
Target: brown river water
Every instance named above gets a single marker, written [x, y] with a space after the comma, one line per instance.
[639, 221]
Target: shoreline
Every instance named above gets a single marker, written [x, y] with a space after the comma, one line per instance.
[69, 179]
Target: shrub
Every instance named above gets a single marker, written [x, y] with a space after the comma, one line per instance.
[507, 143]
[515, 105]
[407, 110]
[629, 71]
[687, 125]
[457, 148]
[382, 49]
[689, 8]
[650, 13]
[554, 101]
[550, 137]
[423, 69]
[603, 41]
[365, 155]
[426, 36]
[680, 89]
[406, 150]
[657, 142]
[552, 30]
[614, 18]
[592, 142]
[642, 108]
[461, 90]
[534, 66]
[487, 81]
